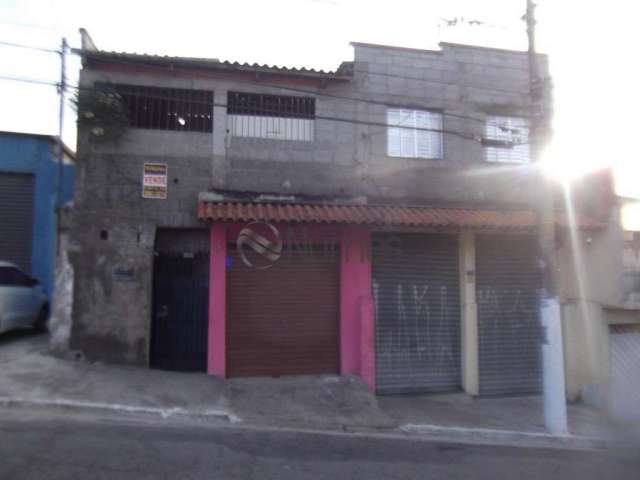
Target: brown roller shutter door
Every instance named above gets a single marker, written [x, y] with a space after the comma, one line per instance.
[283, 320]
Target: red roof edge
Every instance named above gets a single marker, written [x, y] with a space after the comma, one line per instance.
[379, 215]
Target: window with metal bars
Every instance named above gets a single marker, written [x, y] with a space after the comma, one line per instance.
[271, 116]
[258, 104]
[506, 139]
[159, 108]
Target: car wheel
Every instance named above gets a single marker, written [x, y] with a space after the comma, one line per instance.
[42, 319]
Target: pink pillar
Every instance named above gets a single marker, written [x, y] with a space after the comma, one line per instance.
[216, 351]
[367, 342]
[356, 317]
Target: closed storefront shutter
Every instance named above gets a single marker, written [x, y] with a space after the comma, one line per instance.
[508, 322]
[16, 217]
[417, 302]
[283, 320]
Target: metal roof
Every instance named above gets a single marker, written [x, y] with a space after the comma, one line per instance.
[344, 72]
[378, 215]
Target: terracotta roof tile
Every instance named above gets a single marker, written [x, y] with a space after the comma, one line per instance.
[378, 215]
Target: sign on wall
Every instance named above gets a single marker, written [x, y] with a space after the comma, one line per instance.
[154, 180]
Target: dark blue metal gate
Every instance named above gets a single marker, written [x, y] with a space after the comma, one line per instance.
[180, 312]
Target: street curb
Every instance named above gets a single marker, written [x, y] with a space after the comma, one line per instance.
[409, 432]
[507, 437]
[118, 408]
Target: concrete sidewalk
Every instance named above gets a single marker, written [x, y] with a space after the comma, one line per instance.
[29, 375]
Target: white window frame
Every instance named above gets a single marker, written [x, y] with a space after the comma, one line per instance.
[410, 141]
[511, 130]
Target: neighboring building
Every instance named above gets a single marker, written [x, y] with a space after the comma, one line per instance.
[401, 189]
[30, 193]
[602, 316]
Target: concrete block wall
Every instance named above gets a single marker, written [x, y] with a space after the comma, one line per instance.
[460, 82]
[351, 159]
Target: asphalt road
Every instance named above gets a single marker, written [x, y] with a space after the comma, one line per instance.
[55, 445]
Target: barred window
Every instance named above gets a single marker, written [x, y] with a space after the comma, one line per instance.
[271, 116]
[507, 139]
[158, 108]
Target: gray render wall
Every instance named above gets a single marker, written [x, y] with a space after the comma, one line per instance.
[112, 315]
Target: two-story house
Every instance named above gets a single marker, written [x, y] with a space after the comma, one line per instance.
[377, 220]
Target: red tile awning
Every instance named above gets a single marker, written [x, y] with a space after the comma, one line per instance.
[377, 215]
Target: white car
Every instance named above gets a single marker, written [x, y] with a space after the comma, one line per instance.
[23, 303]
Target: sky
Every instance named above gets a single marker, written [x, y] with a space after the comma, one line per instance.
[592, 46]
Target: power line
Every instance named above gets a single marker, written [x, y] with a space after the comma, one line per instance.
[311, 92]
[463, 135]
[29, 80]
[28, 47]
[316, 117]
[442, 82]
[319, 93]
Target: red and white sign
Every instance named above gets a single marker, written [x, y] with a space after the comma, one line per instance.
[154, 180]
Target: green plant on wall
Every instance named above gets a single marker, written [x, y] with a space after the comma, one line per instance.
[102, 113]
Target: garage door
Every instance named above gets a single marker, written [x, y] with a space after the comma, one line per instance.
[283, 320]
[508, 321]
[16, 217]
[417, 300]
[624, 358]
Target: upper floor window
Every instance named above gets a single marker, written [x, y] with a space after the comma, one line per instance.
[414, 133]
[158, 108]
[507, 139]
[271, 116]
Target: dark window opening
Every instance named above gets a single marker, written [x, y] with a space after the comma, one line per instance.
[159, 108]
[270, 105]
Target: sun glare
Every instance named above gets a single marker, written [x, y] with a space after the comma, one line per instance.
[630, 214]
[594, 92]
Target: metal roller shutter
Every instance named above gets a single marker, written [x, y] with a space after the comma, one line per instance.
[417, 298]
[283, 320]
[624, 358]
[16, 217]
[508, 322]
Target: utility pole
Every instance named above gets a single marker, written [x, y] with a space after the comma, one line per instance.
[555, 405]
[60, 153]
